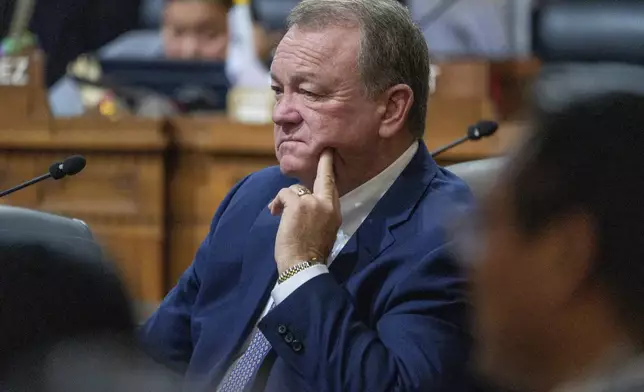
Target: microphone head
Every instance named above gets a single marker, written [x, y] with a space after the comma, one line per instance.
[56, 171]
[73, 165]
[482, 129]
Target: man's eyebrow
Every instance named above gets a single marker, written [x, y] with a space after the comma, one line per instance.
[297, 77]
[305, 76]
[275, 78]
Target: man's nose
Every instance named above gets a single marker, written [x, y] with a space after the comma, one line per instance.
[285, 111]
[189, 48]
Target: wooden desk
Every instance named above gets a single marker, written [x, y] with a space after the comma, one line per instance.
[120, 195]
[211, 156]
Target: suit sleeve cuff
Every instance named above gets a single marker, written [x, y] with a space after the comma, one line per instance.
[283, 290]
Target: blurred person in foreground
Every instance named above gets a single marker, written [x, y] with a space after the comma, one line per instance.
[191, 30]
[65, 320]
[51, 291]
[559, 270]
[331, 272]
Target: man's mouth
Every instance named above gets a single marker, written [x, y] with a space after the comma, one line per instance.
[289, 141]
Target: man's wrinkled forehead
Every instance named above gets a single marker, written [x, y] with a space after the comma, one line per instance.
[330, 47]
[329, 38]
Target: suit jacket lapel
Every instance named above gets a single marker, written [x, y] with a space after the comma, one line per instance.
[376, 233]
[259, 271]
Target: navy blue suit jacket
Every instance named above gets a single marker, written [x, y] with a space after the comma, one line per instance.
[391, 315]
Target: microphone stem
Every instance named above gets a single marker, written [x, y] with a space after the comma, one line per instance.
[451, 145]
[25, 184]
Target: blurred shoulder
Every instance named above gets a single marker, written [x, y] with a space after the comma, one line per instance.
[448, 185]
[447, 199]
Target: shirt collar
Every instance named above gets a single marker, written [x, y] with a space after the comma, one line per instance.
[357, 204]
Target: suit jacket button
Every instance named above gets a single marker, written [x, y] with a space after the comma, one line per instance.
[296, 346]
[281, 329]
[288, 338]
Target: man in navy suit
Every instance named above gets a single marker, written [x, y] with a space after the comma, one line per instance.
[331, 272]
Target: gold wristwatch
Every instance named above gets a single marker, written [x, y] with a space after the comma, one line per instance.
[299, 267]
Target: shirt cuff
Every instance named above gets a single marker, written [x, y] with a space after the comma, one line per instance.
[283, 290]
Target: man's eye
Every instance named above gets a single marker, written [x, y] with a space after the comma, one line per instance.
[213, 34]
[277, 90]
[309, 94]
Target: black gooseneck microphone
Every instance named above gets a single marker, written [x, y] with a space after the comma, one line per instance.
[70, 166]
[474, 132]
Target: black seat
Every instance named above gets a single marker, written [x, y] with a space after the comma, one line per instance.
[479, 174]
[25, 226]
[30, 221]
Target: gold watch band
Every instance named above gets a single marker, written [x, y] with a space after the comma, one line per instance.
[299, 267]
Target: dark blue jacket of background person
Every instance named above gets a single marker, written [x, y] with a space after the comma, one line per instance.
[68, 28]
[390, 316]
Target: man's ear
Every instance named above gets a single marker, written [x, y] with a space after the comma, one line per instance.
[569, 245]
[396, 102]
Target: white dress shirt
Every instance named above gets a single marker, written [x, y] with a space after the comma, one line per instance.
[355, 206]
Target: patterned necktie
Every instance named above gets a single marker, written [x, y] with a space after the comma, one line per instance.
[246, 367]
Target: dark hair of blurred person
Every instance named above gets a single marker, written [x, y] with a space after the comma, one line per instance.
[559, 277]
[50, 293]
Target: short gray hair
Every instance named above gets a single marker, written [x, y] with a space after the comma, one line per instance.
[392, 48]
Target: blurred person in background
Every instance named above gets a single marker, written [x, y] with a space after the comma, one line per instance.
[558, 265]
[190, 30]
[266, 37]
[195, 29]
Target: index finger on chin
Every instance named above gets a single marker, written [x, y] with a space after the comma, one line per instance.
[324, 184]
